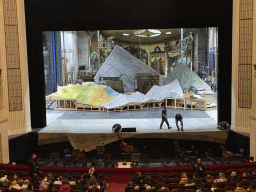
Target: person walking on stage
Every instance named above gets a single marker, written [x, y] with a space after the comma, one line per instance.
[164, 119]
[178, 118]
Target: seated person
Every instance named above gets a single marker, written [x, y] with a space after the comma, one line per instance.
[65, 187]
[136, 179]
[252, 187]
[205, 184]
[164, 188]
[129, 187]
[15, 185]
[245, 180]
[224, 125]
[209, 179]
[222, 178]
[92, 183]
[42, 183]
[239, 188]
[184, 179]
[36, 179]
[136, 188]
[147, 180]
[233, 176]
[29, 188]
[25, 184]
[214, 186]
[80, 185]
[4, 182]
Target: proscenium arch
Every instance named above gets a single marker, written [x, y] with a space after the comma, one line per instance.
[66, 15]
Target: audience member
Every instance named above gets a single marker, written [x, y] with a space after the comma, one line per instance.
[252, 187]
[29, 188]
[148, 188]
[65, 187]
[51, 177]
[147, 180]
[4, 182]
[196, 178]
[164, 188]
[46, 188]
[184, 179]
[214, 186]
[42, 183]
[253, 175]
[205, 184]
[15, 185]
[222, 178]
[92, 184]
[233, 176]
[209, 179]
[25, 184]
[246, 180]
[15, 177]
[129, 187]
[136, 179]
[136, 188]
[80, 185]
[36, 179]
[239, 188]
[20, 181]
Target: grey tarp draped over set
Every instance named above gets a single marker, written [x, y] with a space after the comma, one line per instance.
[121, 63]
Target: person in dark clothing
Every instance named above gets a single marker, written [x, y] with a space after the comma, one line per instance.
[33, 165]
[136, 179]
[129, 187]
[164, 119]
[224, 125]
[199, 168]
[117, 129]
[178, 118]
[146, 180]
[80, 185]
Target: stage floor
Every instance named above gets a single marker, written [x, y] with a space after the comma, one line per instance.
[87, 129]
[145, 121]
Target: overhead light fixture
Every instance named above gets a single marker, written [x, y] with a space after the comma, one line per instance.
[168, 33]
[125, 34]
[147, 33]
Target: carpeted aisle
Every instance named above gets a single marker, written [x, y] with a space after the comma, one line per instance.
[116, 187]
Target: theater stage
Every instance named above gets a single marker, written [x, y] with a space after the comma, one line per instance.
[86, 129]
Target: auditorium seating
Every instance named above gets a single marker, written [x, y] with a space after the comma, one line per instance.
[169, 175]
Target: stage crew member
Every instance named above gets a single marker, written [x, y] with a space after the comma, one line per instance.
[164, 119]
[179, 118]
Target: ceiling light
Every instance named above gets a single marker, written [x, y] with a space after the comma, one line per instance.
[125, 34]
[154, 35]
[142, 35]
[147, 33]
[168, 33]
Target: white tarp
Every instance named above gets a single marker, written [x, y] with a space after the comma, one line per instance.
[121, 63]
[156, 93]
[172, 90]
